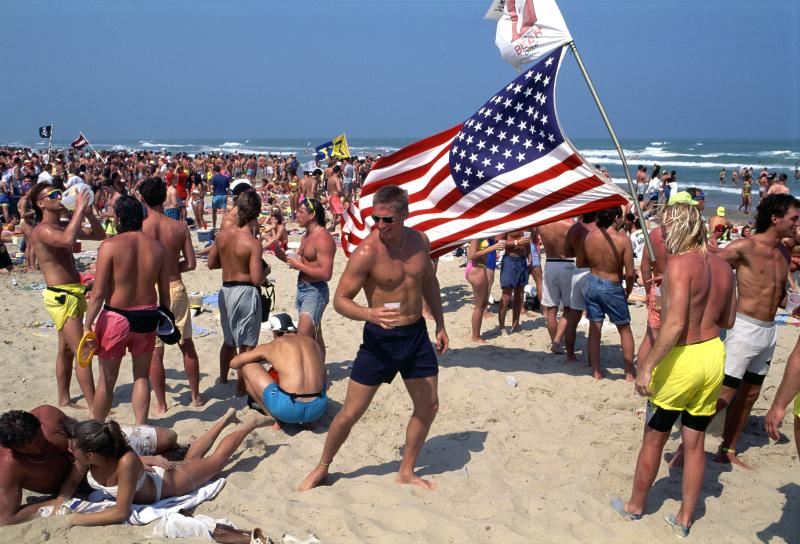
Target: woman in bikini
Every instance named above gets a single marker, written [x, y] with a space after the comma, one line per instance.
[294, 192]
[476, 275]
[747, 196]
[103, 456]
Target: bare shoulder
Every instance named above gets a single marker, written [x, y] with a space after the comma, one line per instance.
[49, 414]
[367, 250]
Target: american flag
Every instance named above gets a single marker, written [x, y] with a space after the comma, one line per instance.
[505, 168]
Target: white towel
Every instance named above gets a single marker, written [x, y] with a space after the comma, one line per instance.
[141, 514]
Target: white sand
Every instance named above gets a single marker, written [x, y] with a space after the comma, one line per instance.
[535, 463]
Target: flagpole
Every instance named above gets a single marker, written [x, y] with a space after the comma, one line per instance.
[613, 135]
[50, 141]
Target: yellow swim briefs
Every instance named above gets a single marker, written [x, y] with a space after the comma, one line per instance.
[690, 378]
[179, 306]
[64, 301]
[797, 406]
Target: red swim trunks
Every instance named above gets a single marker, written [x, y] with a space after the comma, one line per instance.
[336, 205]
[114, 334]
[653, 315]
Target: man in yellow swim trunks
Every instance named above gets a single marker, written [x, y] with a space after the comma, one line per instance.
[64, 298]
[683, 371]
[789, 387]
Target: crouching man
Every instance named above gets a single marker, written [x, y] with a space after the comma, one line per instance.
[294, 388]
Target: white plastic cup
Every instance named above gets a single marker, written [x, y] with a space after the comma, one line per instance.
[69, 198]
[792, 302]
[392, 305]
[511, 381]
[291, 254]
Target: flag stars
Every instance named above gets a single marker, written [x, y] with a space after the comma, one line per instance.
[494, 149]
[457, 167]
[522, 125]
[468, 171]
[509, 120]
[511, 86]
[544, 119]
[497, 118]
[473, 157]
[469, 139]
[480, 174]
[489, 130]
[502, 136]
[478, 126]
[507, 102]
[462, 154]
[540, 147]
[517, 88]
[518, 107]
[507, 154]
[528, 92]
[487, 161]
[538, 77]
[500, 166]
[551, 138]
[530, 111]
[549, 61]
[546, 81]
[487, 112]
[481, 144]
[514, 139]
[528, 74]
[528, 144]
[520, 156]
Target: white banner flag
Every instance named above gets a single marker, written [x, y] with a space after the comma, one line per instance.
[528, 29]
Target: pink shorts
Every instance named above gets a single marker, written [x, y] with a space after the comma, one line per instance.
[114, 335]
[653, 315]
[336, 205]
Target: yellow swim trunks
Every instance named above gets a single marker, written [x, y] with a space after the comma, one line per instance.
[797, 406]
[179, 306]
[64, 301]
[690, 378]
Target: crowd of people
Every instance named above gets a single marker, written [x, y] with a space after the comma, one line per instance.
[710, 337]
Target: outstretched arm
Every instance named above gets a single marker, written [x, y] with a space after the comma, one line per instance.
[790, 386]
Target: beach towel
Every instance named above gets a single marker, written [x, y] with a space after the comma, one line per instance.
[141, 514]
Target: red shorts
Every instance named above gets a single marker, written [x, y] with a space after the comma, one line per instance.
[336, 205]
[114, 335]
[653, 315]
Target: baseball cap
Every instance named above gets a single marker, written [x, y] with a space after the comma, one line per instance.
[239, 186]
[682, 197]
[721, 211]
[281, 323]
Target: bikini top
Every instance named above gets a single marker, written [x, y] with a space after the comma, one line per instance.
[112, 489]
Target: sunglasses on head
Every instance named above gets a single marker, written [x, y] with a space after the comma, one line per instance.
[52, 195]
[378, 218]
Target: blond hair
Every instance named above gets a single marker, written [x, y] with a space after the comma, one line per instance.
[684, 229]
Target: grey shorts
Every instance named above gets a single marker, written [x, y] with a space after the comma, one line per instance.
[141, 438]
[240, 314]
[311, 300]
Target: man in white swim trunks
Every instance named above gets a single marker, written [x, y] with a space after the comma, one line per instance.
[762, 267]
[575, 237]
[558, 269]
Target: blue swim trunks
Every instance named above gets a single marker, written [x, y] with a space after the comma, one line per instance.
[286, 408]
[491, 257]
[312, 298]
[513, 271]
[219, 202]
[173, 213]
[603, 297]
[385, 352]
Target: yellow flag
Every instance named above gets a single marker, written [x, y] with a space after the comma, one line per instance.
[340, 149]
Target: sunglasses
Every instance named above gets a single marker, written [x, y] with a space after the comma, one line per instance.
[310, 205]
[388, 220]
[52, 195]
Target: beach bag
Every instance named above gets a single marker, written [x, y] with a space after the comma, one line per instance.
[267, 295]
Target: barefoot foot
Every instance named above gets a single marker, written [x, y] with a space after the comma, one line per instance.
[629, 377]
[254, 420]
[314, 478]
[69, 404]
[571, 357]
[415, 480]
[199, 401]
[556, 348]
[478, 340]
[598, 375]
[727, 456]
[160, 409]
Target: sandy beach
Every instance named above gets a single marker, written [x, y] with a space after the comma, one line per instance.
[538, 462]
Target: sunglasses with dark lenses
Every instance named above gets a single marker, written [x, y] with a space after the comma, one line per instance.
[309, 205]
[388, 220]
[52, 195]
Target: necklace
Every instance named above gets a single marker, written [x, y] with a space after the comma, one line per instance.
[390, 246]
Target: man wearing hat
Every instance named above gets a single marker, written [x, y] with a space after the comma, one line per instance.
[779, 187]
[294, 389]
[716, 220]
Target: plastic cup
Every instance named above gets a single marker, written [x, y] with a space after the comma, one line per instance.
[792, 302]
[393, 305]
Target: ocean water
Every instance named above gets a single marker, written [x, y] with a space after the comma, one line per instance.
[697, 161]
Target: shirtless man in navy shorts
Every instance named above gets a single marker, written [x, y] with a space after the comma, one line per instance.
[394, 268]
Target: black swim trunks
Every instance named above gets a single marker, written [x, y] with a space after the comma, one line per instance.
[385, 352]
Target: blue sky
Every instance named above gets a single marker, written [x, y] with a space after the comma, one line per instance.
[386, 68]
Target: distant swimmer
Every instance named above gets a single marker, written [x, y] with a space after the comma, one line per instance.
[393, 267]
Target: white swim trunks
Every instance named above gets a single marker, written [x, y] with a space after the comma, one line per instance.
[749, 347]
[579, 278]
[557, 290]
[141, 438]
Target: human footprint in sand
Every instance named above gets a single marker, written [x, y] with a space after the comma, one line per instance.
[393, 267]
[102, 455]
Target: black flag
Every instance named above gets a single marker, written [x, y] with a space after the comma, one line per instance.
[46, 131]
[80, 142]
